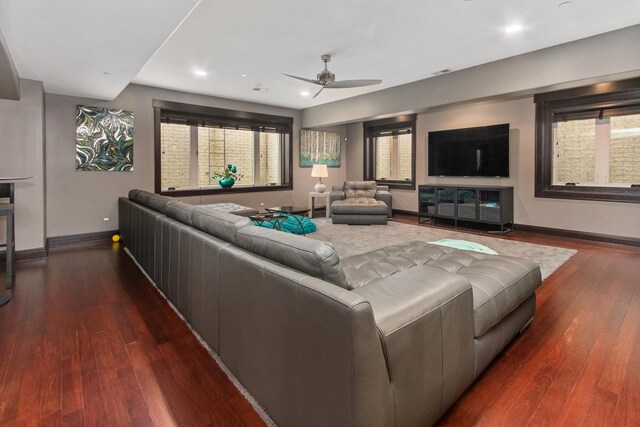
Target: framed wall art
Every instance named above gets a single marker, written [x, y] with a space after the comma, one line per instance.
[319, 148]
[104, 139]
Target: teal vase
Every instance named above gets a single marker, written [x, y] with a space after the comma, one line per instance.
[226, 182]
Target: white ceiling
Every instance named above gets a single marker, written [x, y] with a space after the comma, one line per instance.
[68, 45]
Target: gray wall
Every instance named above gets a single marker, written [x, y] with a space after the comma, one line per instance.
[619, 219]
[22, 146]
[78, 201]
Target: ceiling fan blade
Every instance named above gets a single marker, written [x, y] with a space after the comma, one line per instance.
[318, 93]
[315, 82]
[352, 83]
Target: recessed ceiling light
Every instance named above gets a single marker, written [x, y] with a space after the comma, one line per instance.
[106, 73]
[200, 73]
[564, 3]
[304, 93]
[514, 28]
[258, 88]
[243, 75]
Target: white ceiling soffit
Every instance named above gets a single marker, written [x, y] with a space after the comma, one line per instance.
[398, 42]
[87, 48]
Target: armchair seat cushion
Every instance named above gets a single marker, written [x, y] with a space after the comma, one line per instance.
[359, 206]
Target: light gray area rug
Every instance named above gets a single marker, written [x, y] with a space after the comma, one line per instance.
[356, 239]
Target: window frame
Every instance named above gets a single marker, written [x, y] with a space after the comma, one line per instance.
[389, 124]
[197, 113]
[598, 97]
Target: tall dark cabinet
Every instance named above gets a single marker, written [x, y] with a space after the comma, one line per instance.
[489, 205]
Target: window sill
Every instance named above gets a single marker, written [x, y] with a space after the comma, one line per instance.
[397, 185]
[583, 192]
[219, 190]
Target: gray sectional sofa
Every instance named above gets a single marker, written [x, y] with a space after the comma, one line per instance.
[388, 338]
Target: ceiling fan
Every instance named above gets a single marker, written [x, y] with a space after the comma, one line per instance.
[327, 79]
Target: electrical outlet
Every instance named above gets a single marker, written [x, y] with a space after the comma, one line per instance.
[106, 219]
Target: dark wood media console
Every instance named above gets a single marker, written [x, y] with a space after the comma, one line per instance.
[489, 205]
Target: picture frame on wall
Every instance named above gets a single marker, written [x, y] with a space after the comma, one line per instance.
[320, 148]
[104, 139]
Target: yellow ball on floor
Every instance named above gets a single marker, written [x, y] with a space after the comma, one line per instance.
[115, 238]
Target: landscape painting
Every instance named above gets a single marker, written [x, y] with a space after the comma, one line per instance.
[319, 148]
[104, 139]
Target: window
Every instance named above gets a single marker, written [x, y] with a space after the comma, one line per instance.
[194, 143]
[600, 151]
[588, 142]
[389, 150]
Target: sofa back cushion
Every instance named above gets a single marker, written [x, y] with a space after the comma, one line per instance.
[313, 257]
[223, 225]
[151, 200]
[360, 189]
[133, 194]
[181, 212]
[159, 203]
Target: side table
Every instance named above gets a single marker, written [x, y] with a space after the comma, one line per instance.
[296, 212]
[312, 197]
[276, 219]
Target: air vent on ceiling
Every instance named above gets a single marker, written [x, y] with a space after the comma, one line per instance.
[444, 71]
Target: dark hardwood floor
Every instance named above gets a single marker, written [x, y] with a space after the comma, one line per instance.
[87, 340]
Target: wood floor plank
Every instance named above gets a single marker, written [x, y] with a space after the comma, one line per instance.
[123, 323]
[615, 369]
[72, 398]
[51, 396]
[74, 419]
[13, 382]
[134, 399]
[32, 382]
[94, 408]
[111, 389]
[152, 391]
[626, 412]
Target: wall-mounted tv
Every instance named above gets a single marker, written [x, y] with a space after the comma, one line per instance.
[481, 151]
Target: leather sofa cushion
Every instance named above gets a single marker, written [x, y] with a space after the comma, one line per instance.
[233, 208]
[159, 203]
[151, 200]
[499, 283]
[223, 225]
[180, 212]
[133, 194]
[360, 206]
[360, 189]
[313, 257]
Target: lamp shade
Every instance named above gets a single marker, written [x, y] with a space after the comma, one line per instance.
[319, 171]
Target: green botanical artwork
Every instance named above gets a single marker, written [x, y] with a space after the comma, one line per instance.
[319, 147]
[104, 139]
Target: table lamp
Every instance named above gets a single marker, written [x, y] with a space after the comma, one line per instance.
[320, 171]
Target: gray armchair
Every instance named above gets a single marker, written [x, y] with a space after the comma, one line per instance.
[360, 202]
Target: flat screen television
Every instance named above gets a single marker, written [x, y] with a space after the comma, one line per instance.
[481, 151]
